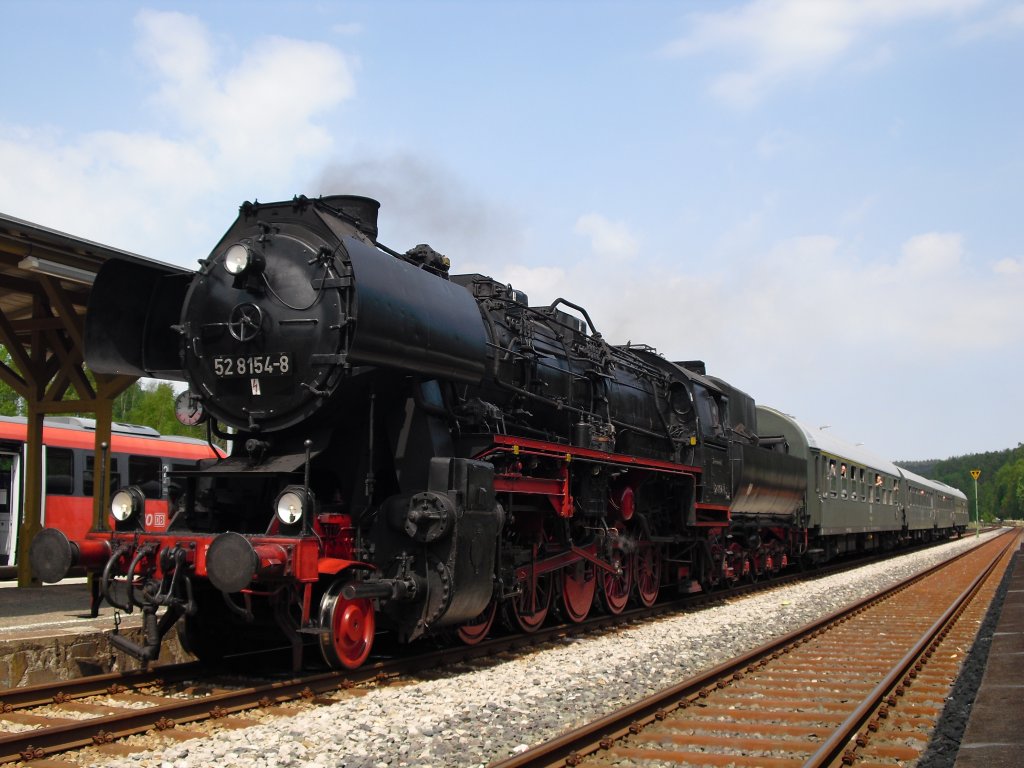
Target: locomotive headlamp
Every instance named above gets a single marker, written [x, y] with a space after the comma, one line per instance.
[127, 503]
[291, 504]
[240, 258]
[236, 259]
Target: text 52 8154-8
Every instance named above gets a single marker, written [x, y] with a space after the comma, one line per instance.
[252, 365]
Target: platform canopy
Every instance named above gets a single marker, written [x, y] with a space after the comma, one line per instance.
[45, 280]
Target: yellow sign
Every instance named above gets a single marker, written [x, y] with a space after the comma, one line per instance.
[975, 473]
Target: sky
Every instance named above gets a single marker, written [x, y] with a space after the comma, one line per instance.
[815, 197]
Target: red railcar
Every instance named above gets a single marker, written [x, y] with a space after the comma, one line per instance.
[138, 456]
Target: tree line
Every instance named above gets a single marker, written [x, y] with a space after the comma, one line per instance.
[149, 404]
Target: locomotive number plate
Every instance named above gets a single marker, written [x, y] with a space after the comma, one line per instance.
[252, 365]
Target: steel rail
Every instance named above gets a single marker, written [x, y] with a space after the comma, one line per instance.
[93, 685]
[572, 747]
[42, 693]
[68, 736]
[834, 747]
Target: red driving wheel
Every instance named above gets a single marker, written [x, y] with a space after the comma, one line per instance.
[351, 625]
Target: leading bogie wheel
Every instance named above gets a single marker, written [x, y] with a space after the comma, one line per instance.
[350, 625]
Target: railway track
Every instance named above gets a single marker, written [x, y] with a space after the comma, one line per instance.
[100, 710]
[864, 684]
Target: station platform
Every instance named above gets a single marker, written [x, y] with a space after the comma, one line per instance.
[994, 737]
[47, 633]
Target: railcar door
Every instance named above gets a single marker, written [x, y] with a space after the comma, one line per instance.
[10, 504]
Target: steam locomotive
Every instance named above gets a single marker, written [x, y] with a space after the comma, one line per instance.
[420, 453]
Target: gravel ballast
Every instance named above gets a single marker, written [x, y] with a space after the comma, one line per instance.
[477, 713]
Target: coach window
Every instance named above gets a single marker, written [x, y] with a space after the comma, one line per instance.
[144, 471]
[115, 474]
[832, 482]
[60, 472]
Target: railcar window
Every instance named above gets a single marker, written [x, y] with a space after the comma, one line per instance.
[60, 472]
[115, 474]
[144, 471]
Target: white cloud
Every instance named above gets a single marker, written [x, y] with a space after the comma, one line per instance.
[537, 282]
[932, 254]
[261, 108]
[608, 238]
[779, 40]
[810, 299]
[241, 122]
[1009, 267]
[176, 45]
[868, 343]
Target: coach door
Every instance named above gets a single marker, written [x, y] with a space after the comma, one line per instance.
[10, 504]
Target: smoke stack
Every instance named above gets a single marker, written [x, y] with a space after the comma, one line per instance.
[361, 210]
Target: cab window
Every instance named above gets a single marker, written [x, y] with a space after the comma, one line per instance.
[710, 412]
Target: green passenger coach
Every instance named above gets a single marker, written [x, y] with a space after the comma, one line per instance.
[858, 501]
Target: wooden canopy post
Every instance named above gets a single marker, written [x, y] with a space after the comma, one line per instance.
[46, 279]
[33, 497]
[47, 357]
